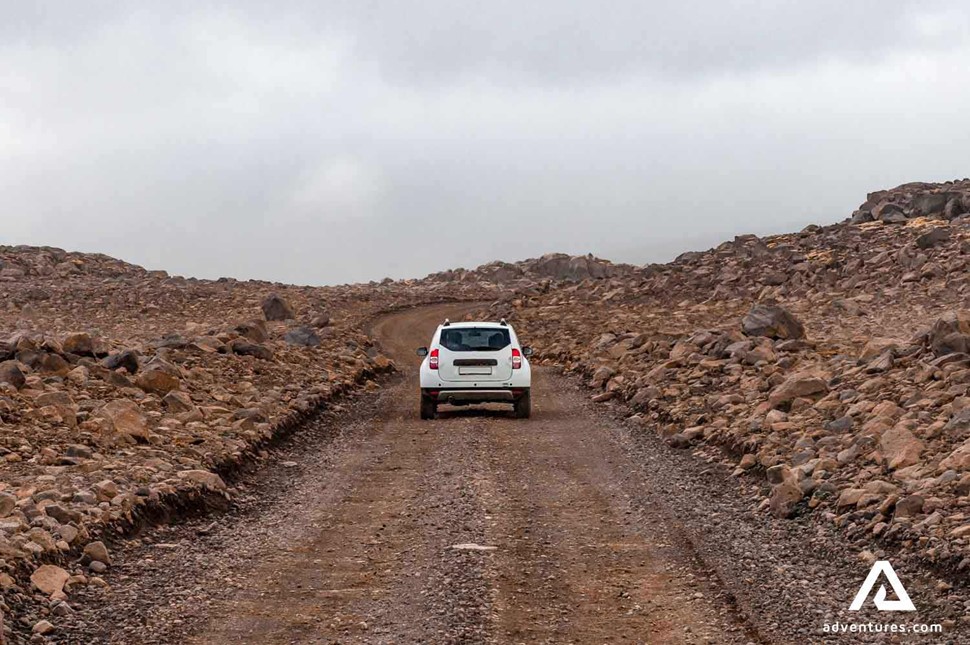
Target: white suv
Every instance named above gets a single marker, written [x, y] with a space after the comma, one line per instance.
[475, 362]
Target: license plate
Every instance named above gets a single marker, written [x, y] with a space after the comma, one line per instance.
[475, 370]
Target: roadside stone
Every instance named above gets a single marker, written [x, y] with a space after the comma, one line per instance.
[784, 497]
[49, 578]
[203, 477]
[97, 552]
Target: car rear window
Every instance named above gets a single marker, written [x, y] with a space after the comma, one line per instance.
[475, 339]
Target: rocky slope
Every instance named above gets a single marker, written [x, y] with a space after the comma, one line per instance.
[832, 362]
[125, 391]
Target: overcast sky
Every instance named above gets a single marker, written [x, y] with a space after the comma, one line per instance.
[325, 142]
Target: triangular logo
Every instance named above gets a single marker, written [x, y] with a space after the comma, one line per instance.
[883, 567]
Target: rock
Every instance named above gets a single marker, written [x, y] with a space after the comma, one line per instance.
[778, 473]
[799, 385]
[900, 447]
[157, 381]
[850, 497]
[932, 238]
[959, 459]
[127, 359]
[251, 349]
[887, 210]
[784, 497]
[276, 308]
[50, 579]
[747, 462]
[603, 397]
[79, 342]
[302, 336]
[11, 373]
[679, 440]
[254, 330]
[97, 552]
[126, 418]
[909, 506]
[42, 627]
[878, 346]
[320, 321]
[601, 376]
[771, 321]
[204, 477]
[927, 204]
[61, 514]
[961, 531]
[7, 504]
[950, 333]
[178, 402]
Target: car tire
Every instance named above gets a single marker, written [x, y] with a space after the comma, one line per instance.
[429, 407]
[523, 406]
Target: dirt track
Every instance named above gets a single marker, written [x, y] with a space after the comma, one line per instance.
[346, 535]
[371, 559]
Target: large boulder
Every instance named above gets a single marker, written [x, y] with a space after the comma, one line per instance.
[771, 321]
[275, 308]
[927, 204]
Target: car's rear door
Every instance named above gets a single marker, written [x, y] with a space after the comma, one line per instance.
[480, 354]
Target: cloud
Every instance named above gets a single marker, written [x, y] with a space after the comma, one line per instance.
[340, 141]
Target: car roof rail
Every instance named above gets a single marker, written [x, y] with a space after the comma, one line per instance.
[503, 323]
[446, 323]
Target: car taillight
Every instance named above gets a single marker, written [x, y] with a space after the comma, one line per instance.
[433, 359]
[516, 359]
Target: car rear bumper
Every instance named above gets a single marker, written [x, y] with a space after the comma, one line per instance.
[461, 396]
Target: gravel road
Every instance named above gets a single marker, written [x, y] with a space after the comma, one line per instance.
[371, 526]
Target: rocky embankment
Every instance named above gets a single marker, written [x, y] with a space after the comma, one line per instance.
[834, 363]
[125, 391]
